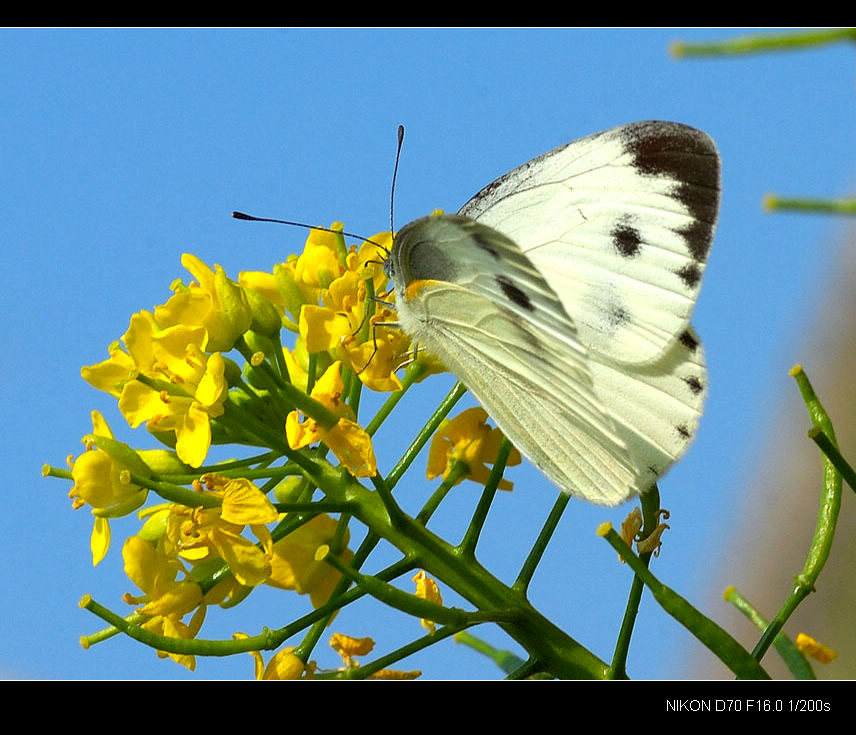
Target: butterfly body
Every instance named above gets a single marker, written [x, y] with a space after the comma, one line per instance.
[561, 294]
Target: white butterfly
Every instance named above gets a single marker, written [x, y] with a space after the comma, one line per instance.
[561, 295]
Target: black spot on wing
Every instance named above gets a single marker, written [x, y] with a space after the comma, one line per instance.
[626, 238]
[514, 292]
[684, 432]
[695, 384]
[690, 275]
[689, 341]
[618, 316]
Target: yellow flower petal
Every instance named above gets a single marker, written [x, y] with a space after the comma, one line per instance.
[249, 564]
[193, 436]
[100, 540]
[427, 589]
[321, 328]
[348, 647]
[178, 600]
[244, 503]
[353, 447]
[810, 647]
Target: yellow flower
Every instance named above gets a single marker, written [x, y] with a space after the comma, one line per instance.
[100, 480]
[215, 302]
[346, 439]
[166, 599]
[199, 534]
[467, 438]
[191, 384]
[283, 665]
[319, 264]
[331, 307]
[112, 374]
[196, 394]
[376, 360]
[155, 572]
[293, 566]
[427, 589]
[810, 647]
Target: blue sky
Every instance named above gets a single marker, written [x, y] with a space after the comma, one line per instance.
[121, 149]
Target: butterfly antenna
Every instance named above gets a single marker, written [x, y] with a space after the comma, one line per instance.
[253, 218]
[394, 175]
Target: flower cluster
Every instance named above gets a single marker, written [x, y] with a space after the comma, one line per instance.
[220, 530]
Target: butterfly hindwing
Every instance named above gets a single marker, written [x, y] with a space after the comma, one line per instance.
[655, 408]
[619, 224]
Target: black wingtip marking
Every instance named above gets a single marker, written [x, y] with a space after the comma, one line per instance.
[689, 158]
[626, 239]
[674, 150]
[513, 292]
[684, 432]
[699, 238]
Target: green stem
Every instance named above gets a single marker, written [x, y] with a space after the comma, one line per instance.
[243, 420]
[411, 375]
[107, 633]
[505, 660]
[293, 396]
[459, 469]
[556, 651]
[775, 203]
[177, 493]
[790, 654]
[471, 537]
[728, 650]
[192, 646]
[651, 519]
[385, 494]
[827, 516]
[425, 434]
[833, 455]
[411, 604]
[384, 662]
[279, 358]
[521, 584]
[50, 471]
[764, 42]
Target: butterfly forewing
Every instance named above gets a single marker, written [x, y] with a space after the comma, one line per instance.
[619, 224]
